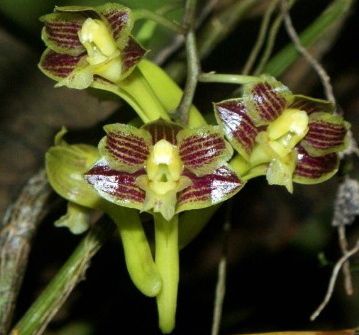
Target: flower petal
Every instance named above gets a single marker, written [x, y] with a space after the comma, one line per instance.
[238, 127]
[327, 133]
[131, 55]
[163, 130]
[204, 149]
[60, 32]
[59, 66]
[116, 186]
[119, 19]
[209, 189]
[266, 99]
[125, 147]
[311, 105]
[313, 170]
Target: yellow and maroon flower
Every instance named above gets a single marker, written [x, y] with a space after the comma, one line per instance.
[89, 43]
[285, 136]
[164, 168]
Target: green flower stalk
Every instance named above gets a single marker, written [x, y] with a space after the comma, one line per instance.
[286, 137]
[164, 169]
[65, 166]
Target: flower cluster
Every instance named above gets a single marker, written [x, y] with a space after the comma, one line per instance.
[289, 138]
[89, 43]
[164, 168]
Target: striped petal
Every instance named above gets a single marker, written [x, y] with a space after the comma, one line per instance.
[204, 149]
[313, 170]
[60, 32]
[311, 105]
[327, 134]
[119, 19]
[58, 66]
[125, 147]
[163, 130]
[265, 100]
[116, 186]
[131, 55]
[238, 127]
[209, 189]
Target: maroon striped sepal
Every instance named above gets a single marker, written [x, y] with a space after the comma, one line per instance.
[126, 148]
[311, 105]
[266, 99]
[116, 186]
[163, 130]
[204, 149]
[237, 125]
[313, 170]
[60, 32]
[209, 189]
[327, 134]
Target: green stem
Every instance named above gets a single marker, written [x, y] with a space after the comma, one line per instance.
[55, 294]
[157, 78]
[261, 37]
[138, 256]
[226, 78]
[167, 261]
[144, 13]
[136, 91]
[272, 36]
[193, 66]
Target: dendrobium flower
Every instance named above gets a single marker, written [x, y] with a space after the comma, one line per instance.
[89, 43]
[164, 168]
[287, 137]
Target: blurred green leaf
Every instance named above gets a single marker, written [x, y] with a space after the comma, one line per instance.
[332, 14]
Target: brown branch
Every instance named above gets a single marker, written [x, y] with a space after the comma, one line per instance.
[333, 280]
[324, 77]
[16, 232]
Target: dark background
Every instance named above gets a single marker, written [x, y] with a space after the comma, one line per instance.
[281, 248]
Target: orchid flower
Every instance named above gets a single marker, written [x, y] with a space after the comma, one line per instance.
[289, 138]
[164, 169]
[89, 43]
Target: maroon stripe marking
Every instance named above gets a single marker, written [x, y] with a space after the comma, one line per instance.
[314, 167]
[273, 101]
[205, 153]
[277, 101]
[326, 127]
[265, 109]
[123, 157]
[128, 146]
[207, 144]
[134, 141]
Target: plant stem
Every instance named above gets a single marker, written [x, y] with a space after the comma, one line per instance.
[261, 38]
[193, 67]
[226, 78]
[144, 13]
[16, 233]
[41, 312]
[167, 261]
[136, 91]
[335, 11]
[139, 261]
[157, 78]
